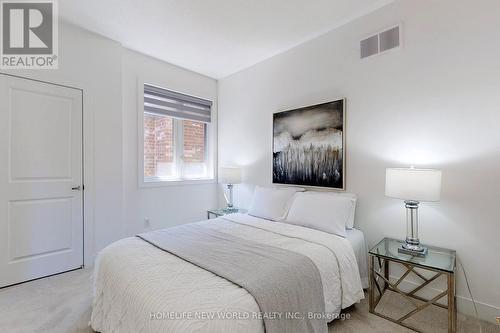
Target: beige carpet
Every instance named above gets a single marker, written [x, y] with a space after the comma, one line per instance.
[61, 304]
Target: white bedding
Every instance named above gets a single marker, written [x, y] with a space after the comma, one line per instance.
[134, 281]
[358, 242]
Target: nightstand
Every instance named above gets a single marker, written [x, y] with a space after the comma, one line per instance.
[222, 211]
[439, 261]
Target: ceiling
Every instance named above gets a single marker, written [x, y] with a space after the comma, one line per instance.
[213, 37]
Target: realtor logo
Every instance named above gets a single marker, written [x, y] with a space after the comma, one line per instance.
[29, 34]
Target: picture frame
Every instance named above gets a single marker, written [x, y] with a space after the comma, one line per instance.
[309, 146]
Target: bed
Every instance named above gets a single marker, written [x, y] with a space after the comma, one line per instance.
[139, 287]
[358, 243]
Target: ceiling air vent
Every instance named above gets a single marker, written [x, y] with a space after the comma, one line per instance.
[384, 41]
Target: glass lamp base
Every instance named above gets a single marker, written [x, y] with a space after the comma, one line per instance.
[414, 250]
[230, 210]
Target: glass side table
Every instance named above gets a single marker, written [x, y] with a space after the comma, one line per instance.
[222, 211]
[438, 260]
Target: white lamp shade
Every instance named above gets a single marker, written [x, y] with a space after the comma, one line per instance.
[413, 184]
[229, 175]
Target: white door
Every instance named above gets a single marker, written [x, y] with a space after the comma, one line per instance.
[41, 206]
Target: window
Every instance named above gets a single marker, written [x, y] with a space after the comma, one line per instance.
[177, 143]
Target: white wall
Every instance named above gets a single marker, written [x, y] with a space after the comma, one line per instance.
[435, 103]
[114, 206]
[163, 206]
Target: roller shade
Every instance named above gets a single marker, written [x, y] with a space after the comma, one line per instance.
[163, 102]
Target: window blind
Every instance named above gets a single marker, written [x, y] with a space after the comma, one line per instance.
[163, 102]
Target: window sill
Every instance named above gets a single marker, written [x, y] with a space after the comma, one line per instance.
[175, 182]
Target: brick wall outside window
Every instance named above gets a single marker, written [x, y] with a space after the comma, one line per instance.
[158, 143]
[194, 141]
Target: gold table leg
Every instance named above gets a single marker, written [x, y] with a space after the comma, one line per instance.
[452, 309]
[371, 292]
[386, 272]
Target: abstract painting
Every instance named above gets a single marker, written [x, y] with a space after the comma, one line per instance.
[308, 146]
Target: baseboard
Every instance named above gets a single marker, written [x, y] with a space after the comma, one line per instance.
[486, 312]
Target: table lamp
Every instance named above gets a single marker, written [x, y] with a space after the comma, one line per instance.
[230, 176]
[413, 186]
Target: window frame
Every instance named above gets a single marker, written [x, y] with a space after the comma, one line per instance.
[178, 134]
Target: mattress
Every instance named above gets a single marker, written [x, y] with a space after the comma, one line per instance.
[358, 242]
[140, 288]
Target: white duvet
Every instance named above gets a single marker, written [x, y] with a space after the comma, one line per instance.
[140, 288]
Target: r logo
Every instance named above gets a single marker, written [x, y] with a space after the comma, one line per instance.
[27, 27]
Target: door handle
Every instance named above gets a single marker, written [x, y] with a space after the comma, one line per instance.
[78, 188]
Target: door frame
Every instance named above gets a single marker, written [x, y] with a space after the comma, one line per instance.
[84, 190]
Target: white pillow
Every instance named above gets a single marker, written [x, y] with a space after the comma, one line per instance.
[354, 199]
[328, 212]
[272, 203]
